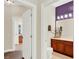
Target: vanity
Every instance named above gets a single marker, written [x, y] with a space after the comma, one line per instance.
[62, 46]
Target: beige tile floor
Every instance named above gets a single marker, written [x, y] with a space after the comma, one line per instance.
[60, 56]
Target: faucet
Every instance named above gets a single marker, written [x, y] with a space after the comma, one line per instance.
[58, 32]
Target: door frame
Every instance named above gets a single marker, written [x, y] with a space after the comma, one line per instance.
[34, 9]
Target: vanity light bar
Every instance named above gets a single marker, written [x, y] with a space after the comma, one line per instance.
[10, 2]
[64, 11]
[65, 16]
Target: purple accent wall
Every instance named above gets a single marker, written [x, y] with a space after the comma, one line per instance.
[65, 10]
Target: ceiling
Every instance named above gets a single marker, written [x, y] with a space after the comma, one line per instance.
[15, 10]
[19, 10]
[39, 1]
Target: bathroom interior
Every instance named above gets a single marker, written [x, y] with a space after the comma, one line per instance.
[60, 34]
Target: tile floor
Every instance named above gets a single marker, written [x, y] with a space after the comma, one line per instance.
[60, 56]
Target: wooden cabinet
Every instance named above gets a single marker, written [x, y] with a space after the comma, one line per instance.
[61, 46]
[54, 45]
[68, 48]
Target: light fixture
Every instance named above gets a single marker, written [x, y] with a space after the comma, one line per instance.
[10, 2]
[58, 17]
[62, 17]
[70, 14]
[65, 16]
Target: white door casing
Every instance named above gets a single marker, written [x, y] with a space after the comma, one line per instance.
[27, 33]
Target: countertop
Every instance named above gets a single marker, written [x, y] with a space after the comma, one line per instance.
[63, 39]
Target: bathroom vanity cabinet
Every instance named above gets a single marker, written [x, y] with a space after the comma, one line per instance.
[62, 46]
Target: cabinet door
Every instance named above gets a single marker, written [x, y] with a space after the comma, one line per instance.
[60, 47]
[69, 50]
[54, 46]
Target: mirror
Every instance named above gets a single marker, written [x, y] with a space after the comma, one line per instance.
[64, 21]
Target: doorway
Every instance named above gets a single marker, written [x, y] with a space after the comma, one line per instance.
[48, 18]
[28, 27]
[29, 30]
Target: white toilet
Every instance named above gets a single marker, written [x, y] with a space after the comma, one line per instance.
[49, 53]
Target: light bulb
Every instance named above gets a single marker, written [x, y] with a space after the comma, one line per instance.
[61, 16]
[58, 17]
[70, 14]
[65, 16]
[8, 1]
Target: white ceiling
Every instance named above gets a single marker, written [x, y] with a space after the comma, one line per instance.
[15, 10]
[40, 1]
[19, 10]
[49, 0]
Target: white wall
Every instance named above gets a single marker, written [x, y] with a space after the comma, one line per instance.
[7, 28]
[11, 15]
[38, 30]
[32, 1]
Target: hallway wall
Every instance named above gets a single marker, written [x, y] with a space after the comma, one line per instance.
[7, 28]
[10, 11]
